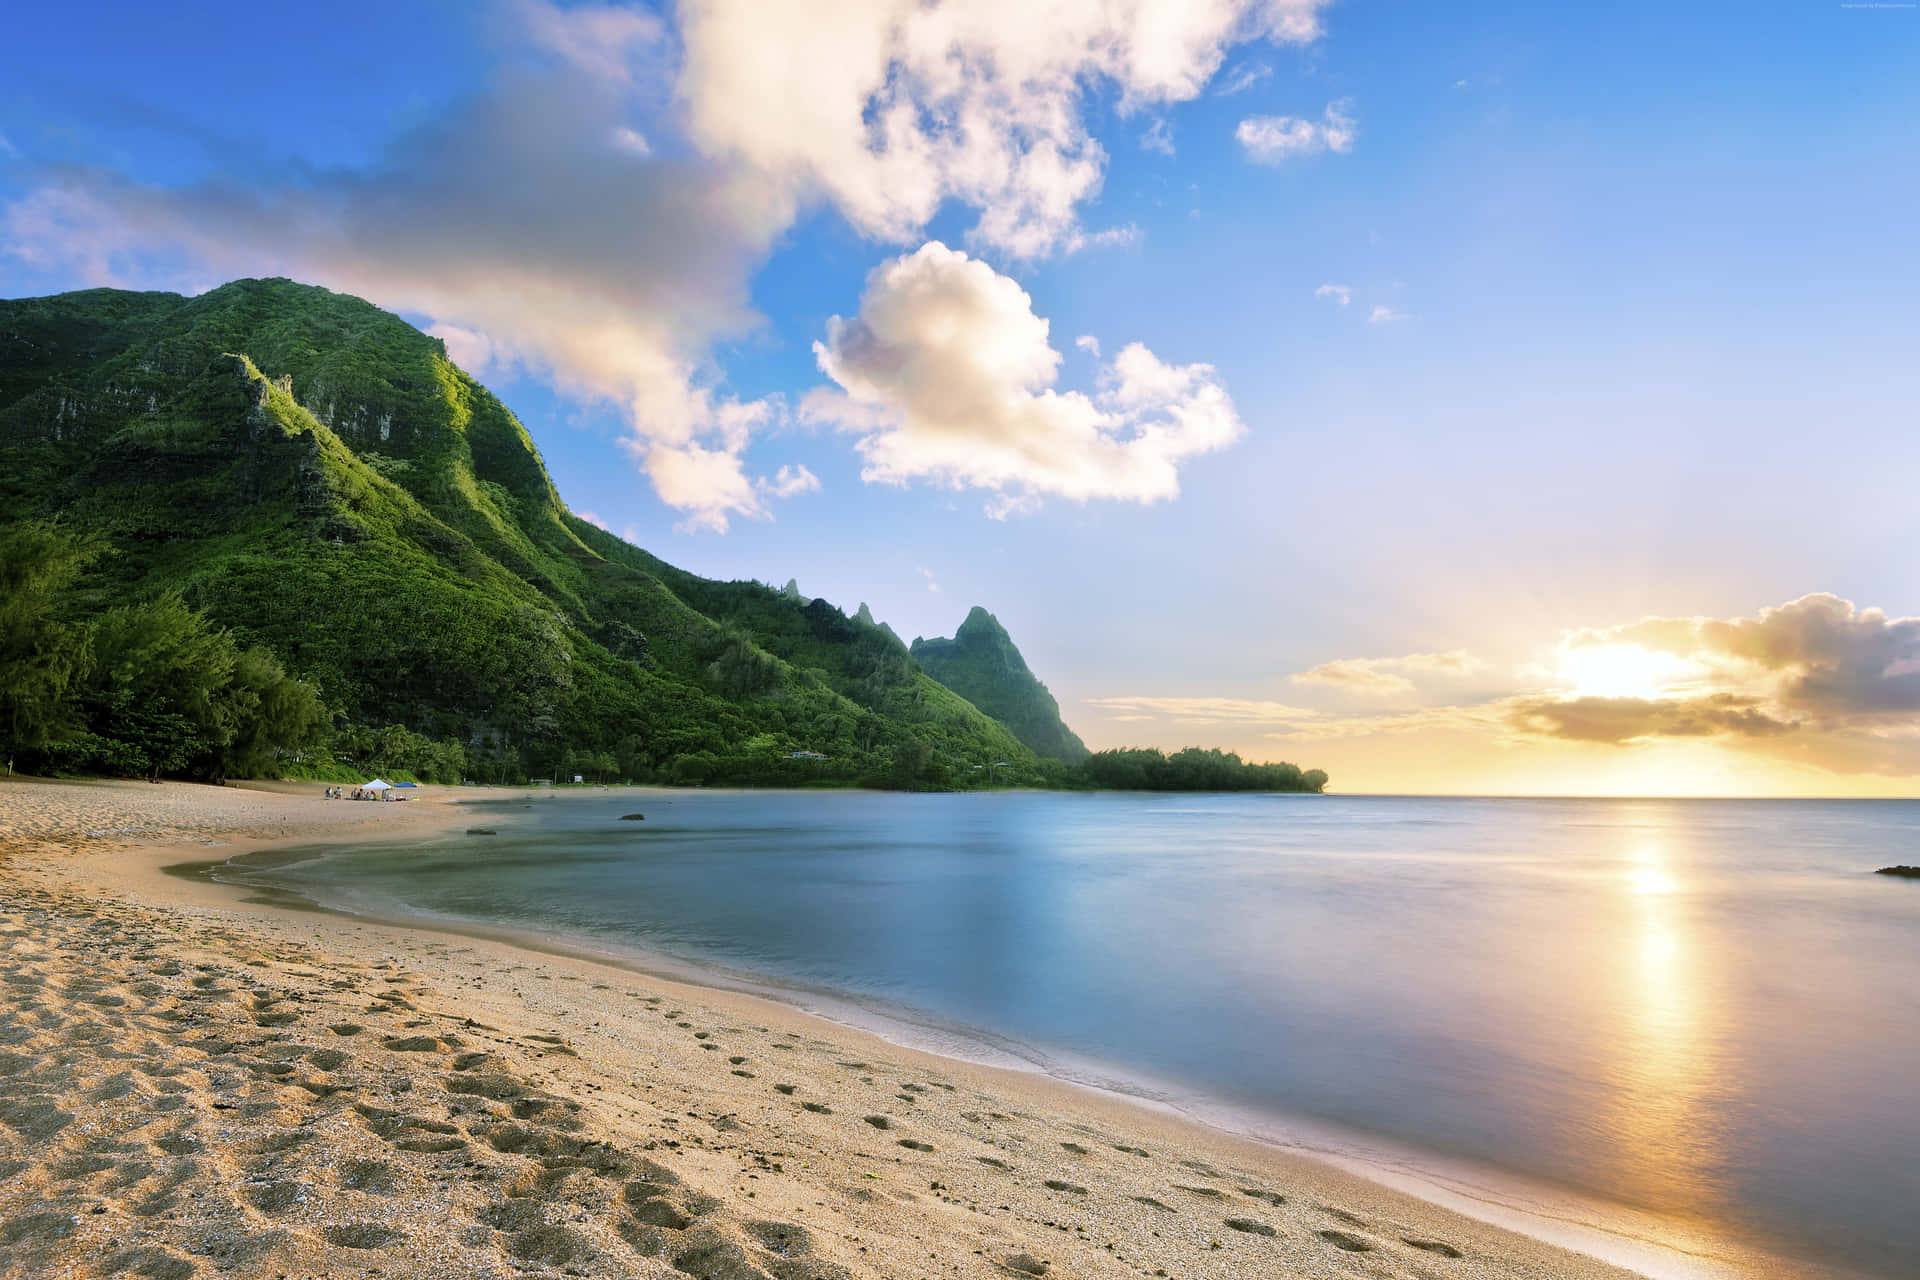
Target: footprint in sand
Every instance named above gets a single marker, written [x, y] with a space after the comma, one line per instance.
[363, 1235]
[782, 1239]
[785, 1088]
[512, 1215]
[1346, 1240]
[1252, 1226]
[277, 1196]
[1054, 1184]
[413, 1044]
[376, 1177]
[1434, 1246]
[911, 1145]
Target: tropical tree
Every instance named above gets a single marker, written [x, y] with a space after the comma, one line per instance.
[41, 655]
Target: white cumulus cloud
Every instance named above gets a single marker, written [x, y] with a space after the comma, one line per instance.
[890, 107]
[947, 374]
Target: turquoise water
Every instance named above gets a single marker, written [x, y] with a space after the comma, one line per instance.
[1708, 1011]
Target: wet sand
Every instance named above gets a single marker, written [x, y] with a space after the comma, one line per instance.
[194, 1085]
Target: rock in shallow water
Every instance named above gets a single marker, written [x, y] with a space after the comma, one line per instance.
[1905, 873]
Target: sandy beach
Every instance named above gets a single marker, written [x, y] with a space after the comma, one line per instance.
[196, 1084]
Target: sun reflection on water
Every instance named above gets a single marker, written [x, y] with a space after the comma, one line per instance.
[1663, 1070]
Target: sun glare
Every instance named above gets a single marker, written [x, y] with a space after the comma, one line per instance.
[1621, 671]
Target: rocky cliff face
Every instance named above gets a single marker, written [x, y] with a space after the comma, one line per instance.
[982, 665]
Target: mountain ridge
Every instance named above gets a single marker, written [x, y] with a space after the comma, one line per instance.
[317, 475]
[983, 665]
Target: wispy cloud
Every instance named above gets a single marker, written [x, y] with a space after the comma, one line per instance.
[1383, 676]
[790, 480]
[933, 583]
[1340, 293]
[1244, 78]
[1158, 137]
[1108, 238]
[1277, 139]
[1279, 720]
[1384, 314]
[1210, 710]
[594, 520]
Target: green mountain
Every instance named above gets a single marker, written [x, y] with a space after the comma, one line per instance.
[316, 478]
[982, 665]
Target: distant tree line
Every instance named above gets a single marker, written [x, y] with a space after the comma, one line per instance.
[1194, 769]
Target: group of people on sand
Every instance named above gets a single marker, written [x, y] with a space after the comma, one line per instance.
[356, 793]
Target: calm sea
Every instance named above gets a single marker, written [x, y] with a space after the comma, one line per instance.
[1696, 1022]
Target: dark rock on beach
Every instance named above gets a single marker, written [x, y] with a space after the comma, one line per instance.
[1905, 873]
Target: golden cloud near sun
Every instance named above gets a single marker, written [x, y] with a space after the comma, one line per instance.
[1794, 699]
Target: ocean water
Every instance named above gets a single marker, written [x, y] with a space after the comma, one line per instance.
[1696, 1021]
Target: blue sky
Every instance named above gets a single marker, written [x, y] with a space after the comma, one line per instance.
[1622, 326]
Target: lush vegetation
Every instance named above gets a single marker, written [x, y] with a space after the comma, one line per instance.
[293, 536]
[1194, 769]
[982, 665]
[143, 689]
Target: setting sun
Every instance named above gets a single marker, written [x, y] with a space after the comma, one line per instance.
[1622, 671]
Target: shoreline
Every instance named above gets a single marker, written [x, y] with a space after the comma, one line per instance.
[1303, 1230]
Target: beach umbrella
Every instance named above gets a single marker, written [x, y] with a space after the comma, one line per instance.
[376, 785]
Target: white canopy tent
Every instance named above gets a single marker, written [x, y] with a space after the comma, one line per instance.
[376, 785]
